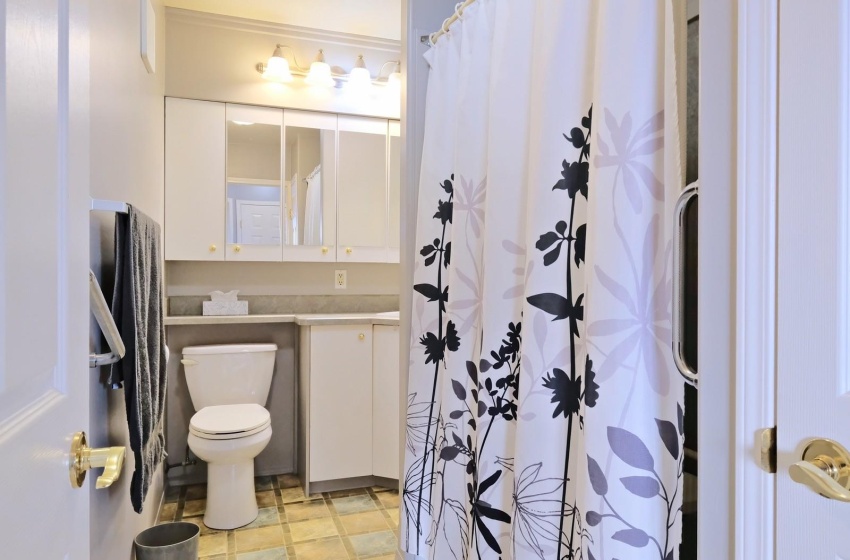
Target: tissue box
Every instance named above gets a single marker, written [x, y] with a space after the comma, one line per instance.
[225, 307]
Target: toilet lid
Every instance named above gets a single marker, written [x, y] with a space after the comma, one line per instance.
[229, 420]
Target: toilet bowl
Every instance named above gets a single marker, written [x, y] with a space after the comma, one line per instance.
[228, 385]
[228, 438]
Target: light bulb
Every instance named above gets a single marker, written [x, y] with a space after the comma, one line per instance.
[360, 79]
[277, 68]
[320, 73]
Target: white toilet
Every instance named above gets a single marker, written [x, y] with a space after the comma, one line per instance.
[229, 385]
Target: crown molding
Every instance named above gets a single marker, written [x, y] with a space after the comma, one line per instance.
[281, 31]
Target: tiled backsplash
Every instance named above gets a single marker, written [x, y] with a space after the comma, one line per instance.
[285, 305]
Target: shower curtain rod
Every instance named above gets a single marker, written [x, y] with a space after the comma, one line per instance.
[432, 38]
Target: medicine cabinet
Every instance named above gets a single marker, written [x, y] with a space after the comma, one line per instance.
[246, 183]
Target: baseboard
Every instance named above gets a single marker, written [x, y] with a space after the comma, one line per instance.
[352, 483]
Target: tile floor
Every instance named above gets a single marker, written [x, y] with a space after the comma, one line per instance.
[345, 525]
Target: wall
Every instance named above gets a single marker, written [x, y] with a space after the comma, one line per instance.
[223, 70]
[214, 58]
[127, 164]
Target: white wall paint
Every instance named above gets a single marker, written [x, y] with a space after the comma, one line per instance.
[373, 18]
[127, 164]
[214, 58]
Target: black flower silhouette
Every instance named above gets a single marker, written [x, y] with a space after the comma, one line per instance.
[565, 391]
[591, 388]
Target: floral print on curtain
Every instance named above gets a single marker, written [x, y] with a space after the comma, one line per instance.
[544, 413]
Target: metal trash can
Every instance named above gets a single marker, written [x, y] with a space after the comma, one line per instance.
[169, 541]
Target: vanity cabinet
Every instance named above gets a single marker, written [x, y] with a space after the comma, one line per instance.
[194, 180]
[348, 406]
[247, 183]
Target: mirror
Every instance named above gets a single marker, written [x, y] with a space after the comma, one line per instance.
[308, 184]
[362, 186]
[253, 176]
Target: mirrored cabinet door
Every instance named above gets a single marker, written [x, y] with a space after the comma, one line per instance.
[309, 186]
[362, 190]
[254, 204]
[394, 196]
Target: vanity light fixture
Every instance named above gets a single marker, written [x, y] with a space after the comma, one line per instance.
[360, 79]
[277, 69]
[320, 72]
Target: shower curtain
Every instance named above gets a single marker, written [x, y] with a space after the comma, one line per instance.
[313, 208]
[544, 413]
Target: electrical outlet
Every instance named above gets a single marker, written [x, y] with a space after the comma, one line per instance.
[340, 279]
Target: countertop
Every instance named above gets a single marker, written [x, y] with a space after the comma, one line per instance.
[305, 320]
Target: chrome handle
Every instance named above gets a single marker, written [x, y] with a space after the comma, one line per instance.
[83, 458]
[187, 362]
[690, 374]
[825, 468]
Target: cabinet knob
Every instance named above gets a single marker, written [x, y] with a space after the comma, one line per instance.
[361, 336]
[237, 248]
[348, 250]
[324, 250]
[212, 248]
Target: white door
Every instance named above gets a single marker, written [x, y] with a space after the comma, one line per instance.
[813, 364]
[44, 314]
[259, 222]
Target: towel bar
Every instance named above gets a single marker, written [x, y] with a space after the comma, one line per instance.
[107, 326]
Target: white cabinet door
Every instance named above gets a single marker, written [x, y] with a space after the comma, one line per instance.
[340, 429]
[194, 180]
[362, 190]
[813, 316]
[394, 193]
[385, 401]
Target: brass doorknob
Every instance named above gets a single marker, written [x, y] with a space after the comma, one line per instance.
[212, 248]
[348, 250]
[362, 336]
[237, 248]
[825, 468]
[83, 458]
[324, 250]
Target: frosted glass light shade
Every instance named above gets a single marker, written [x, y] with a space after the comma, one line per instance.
[277, 68]
[320, 75]
[359, 79]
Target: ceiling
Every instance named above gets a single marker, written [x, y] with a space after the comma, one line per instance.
[373, 18]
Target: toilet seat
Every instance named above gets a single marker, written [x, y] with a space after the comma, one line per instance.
[229, 421]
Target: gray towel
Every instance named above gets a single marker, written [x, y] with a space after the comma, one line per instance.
[137, 309]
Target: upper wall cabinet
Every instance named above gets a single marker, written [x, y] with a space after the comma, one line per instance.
[194, 180]
[362, 190]
[250, 183]
[254, 187]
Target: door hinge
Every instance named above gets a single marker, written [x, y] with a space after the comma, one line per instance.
[767, 449]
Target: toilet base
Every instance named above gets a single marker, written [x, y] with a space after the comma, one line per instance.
[231, 501]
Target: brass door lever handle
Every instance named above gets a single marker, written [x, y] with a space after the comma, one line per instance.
[825, 468]
[83, 458]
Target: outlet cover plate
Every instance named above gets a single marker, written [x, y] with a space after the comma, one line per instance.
[340, 279]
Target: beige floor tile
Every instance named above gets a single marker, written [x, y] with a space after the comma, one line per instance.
[194, 507]
[374, 544]
[277, 553]
[262, 483]
[215, 557]
[367, 522]
[266, 516]
[208, 545]
[288, 481]
[292, 495]
[354, 504]
[306, 510]
[266, 499]
[384, 557]
[393, 515]
[258, 539]
[328, 549]
[389, 499]
[312, 529]
[346, 493]
[199, 521]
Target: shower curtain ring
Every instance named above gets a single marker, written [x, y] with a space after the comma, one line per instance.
[459, 9]
[445, 26]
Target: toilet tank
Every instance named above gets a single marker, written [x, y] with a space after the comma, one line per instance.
[229, 373]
